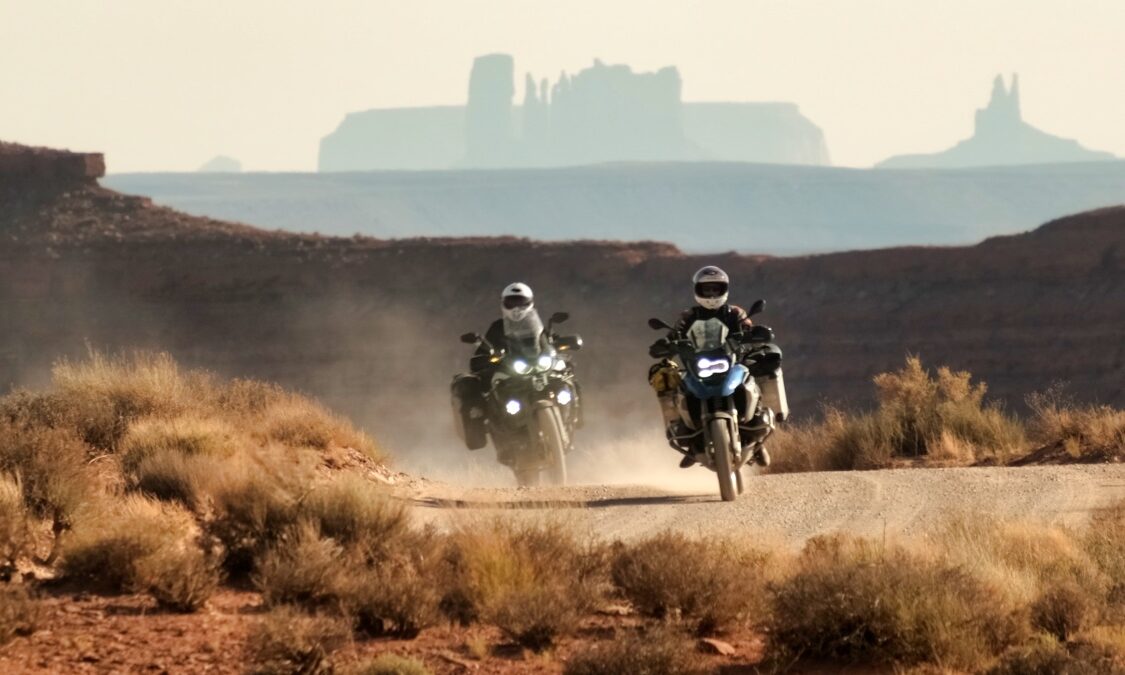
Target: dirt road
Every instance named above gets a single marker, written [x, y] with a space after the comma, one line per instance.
[790, 508]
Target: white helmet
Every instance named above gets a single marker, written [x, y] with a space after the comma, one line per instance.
[712, 287]
[516, 301]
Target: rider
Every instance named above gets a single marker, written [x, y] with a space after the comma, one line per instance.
[519, 327]
[712, 289]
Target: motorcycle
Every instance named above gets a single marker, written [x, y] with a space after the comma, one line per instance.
[731, 394]
[531, 407]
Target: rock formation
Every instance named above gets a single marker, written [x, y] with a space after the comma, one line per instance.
[603, 113]
[1001, 137]
[44, 166]
[221, 164]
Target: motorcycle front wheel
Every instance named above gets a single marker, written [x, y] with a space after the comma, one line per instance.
[724, 469]
[550, 426]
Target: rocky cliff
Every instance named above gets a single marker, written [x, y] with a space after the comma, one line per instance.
[371, 325]
[603, 113]
[1002, 137]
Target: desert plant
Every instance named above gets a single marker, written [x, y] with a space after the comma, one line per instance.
[14, 533]
[285, 642]
[19, 614]
[398, 597]
[851, 601]
[252, 508]
[171, 476]
[356, 511]
[715, 583]
[181, 579]
[660, 652]
[532, 582]
[1093, 433]
[302, 567]
[1063, 609]
[185, 435]
[387, 664]
[109, 546]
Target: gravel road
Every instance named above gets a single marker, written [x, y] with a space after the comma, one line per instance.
[790, 508]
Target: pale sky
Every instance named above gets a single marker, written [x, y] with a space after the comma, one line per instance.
[167, 84]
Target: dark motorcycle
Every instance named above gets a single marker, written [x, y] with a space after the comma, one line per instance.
[730, 394]
[530, 408]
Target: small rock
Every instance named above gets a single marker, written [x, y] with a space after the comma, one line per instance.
[615, 610]
[712, 646]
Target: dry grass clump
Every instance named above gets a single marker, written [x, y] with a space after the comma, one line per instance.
[1082, 434]
[302, 568]
[181, 579]
[387, 664]
[398, 597]
[286, 641]
[849, 601]
[107, 548]
[1063, 610]
[355, 511]
[14, 522]
[715, 584]
[1043, 655]
[19, 614]
[941, 419]
[659, 652]
[533, 582]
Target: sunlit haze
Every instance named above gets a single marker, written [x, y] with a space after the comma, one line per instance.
[167, 85]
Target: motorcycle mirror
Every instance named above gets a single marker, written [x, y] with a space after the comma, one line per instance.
[757, 307]
[571, 343]
[470, 338]
[559, 317]
[657, 324]
[760, 334]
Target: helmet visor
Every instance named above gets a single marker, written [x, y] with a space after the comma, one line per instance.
[516, 301]
[711, 289]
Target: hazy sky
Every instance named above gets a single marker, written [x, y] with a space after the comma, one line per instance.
[167, 84]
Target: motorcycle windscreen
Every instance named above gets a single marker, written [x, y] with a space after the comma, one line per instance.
[524, 335]
[708, 335]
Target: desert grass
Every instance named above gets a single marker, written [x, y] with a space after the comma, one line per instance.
[1094, 433]
[387, 664]
[19, 614]
[656, 652]
[287, 641]
[939, 418]
[715, 585]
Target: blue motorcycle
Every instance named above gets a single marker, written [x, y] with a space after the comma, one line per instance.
[725, 419]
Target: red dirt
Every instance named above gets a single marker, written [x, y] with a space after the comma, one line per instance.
[83, 633]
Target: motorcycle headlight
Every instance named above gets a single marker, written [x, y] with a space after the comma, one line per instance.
[708, 367]
[560, 364]
[545, 362]
[564, 397]
[520, 366]
[513, 407]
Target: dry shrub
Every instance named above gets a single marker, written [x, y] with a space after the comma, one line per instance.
[109, 546]
[809, 446]
[14, 533]
[55, 477]
[533, 582]
[286, 641]
[398, 597]
[253, 505]
[1063, 609]
[1086, 434]
[300, 422]
[19, 614]
[181, 579]
[189, 435]
[1103, 541]
[660, 652]
[388, 664]
[356, 511]
[849, 601]
[104, 394]
[171, 476]
[303, 568]
[716, 584]
[1019, 559]
[1043, 655]
[916, 411]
